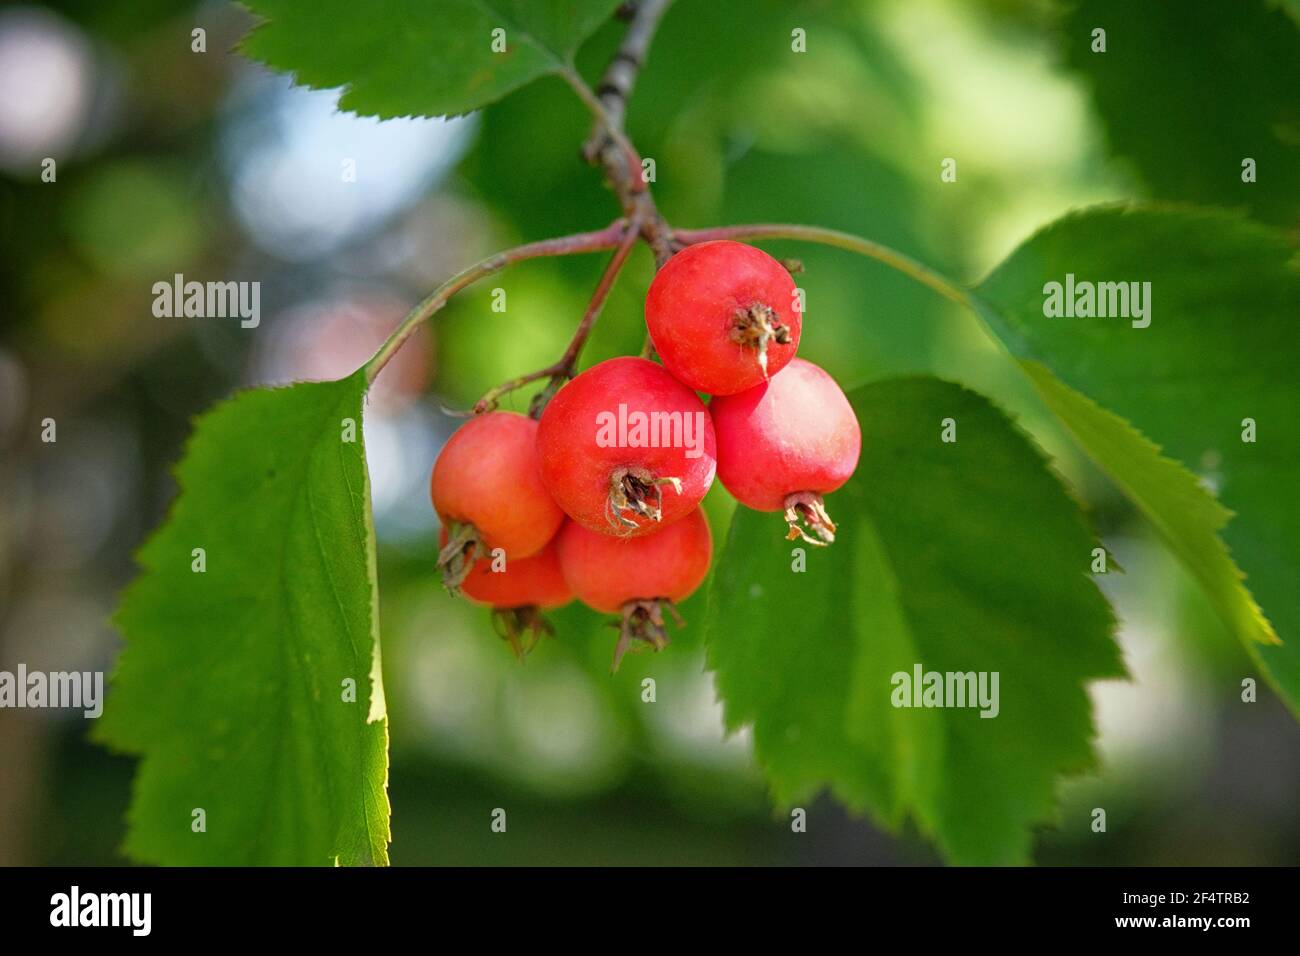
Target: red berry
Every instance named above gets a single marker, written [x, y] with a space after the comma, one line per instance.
[520, 582]
[605, 572]
[517, 593]
[637, 576]
[487, 489]
[785, 443]
[626, 448]
[723, 316]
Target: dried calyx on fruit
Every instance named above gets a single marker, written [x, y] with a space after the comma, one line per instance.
[723, 316]
[488, 492]
[785, 443]
[637, 491]
[755, 327]
[637, 578]
[625, 449]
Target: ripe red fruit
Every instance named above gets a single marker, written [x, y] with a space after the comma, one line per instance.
[517, 590]
[784, 444]
[487, 489]
[625, 448]
[520, 582]
[637, 577]
[723, 316]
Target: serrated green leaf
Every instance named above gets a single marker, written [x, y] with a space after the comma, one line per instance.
[960, 557]
[231, 685]
[1221, 347]
[421, 57]
[1187, 516]
[1187, 91]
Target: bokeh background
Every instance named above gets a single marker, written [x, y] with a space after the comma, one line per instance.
[205, 164]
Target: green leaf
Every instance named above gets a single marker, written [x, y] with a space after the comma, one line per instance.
[1187, 516]
[1221, 347]
[231, 685]
[959, 557]
[1187, 91]
[421, 57]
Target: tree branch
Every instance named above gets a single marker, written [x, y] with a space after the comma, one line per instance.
[608, 146]
[611, 132]
[621, 73]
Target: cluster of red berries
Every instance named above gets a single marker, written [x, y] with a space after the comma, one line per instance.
[600, 498]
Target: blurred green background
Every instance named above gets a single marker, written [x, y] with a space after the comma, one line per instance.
[173, 161]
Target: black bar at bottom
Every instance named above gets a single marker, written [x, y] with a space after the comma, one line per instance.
[334, 906]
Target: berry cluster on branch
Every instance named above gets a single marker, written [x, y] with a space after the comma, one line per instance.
[595, 494]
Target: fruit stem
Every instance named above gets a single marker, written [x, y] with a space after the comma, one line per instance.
[807, 507]
[566, 366]
[643, 620]
[832, 237]
[608, 238]
[494, 395]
